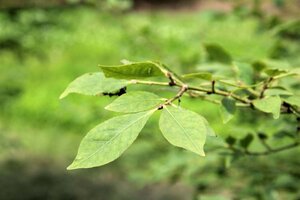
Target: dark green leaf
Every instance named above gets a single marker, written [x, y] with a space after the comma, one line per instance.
[227, 109]
[217, 53]
[246, 141]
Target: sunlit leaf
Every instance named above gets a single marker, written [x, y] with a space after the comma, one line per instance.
[135, 102]
[183, 128]
[133, 70]
[93, 84]
[107, 141]
[270, 104]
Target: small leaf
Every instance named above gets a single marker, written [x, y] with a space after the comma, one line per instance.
[133, 70]
[217, 53]
[93, 84]
[135, 102]
[275, 72]
[269, 105]
[230, 140]
[209, 130]
[183, 128]
[246, 141]
[277, 91]
[107, 141]
[227, 109]
[201, 75]
[293, 100]
[245, 72]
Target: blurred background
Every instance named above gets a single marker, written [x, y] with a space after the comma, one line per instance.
[44, 45]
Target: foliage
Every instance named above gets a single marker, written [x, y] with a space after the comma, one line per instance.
[181, 127]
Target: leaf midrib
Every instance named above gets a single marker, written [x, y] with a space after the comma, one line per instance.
[186, 134]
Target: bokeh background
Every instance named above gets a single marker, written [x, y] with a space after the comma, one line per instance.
[44, 45]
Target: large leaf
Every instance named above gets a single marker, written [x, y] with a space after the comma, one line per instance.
[217, 53]
[107, 141]
[133, 70]
[227, 109]
[183, 128]
[269, 105]
[135, 102]
[93, 84]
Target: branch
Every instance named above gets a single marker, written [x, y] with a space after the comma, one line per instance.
[267, 152]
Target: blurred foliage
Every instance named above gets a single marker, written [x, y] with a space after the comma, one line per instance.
[42, 50]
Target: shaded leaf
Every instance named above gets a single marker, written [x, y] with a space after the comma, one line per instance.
[107, 141]
[230, 140]
[135, 102]
[93, 84]
[133, 70]
[227, 109]
[183, 128]
[246, 141]
[217, 53]
[270, 104]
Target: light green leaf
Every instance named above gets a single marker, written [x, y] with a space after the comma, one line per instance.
[293, 100]
[245, 72]
[107, 141]
[269, 105]
[135, 102]
[93, 84]
[277, 91]
[183, 128]
[227, 109]
[209, 130]
[133, 70]
[201, 75]
[217, 53]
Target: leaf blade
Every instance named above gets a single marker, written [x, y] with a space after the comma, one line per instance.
[135, 102]
[132, 70]
[183, 128]
[106, 142]
[270, 104]
[93, 84]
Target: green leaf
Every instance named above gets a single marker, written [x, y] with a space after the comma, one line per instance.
[183, 128]
[107, 141]
[230, 140]
[93, 84]
[135, 102]
[277, 91]
[227, 109]
[293, 100]
[209, 130]
[201, 75]
[217, 53]
[133, 70]
[269, 105]
[245, 72]
[275, 72]
[246, 141]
